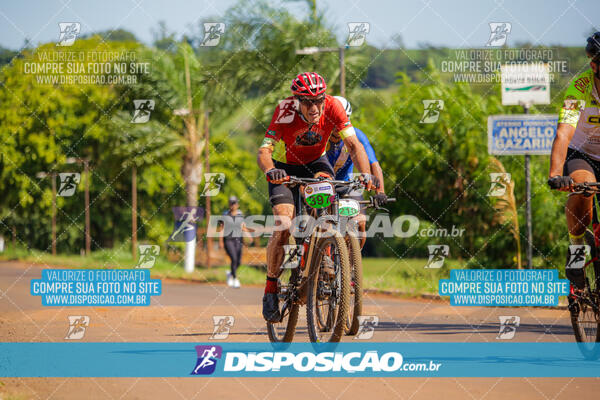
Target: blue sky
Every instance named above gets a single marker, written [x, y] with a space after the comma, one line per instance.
[441, 23]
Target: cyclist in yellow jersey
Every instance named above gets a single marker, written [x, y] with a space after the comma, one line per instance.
[576, 149]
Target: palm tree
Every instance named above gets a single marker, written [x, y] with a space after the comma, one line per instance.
[506, 208]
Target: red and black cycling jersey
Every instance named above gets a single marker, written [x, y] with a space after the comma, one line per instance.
[294, 140]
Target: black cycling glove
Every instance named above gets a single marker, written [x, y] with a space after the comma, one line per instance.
[275, 174]
[560, 182]
[379, 200]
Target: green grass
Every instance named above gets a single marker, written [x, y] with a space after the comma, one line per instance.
[399, 276]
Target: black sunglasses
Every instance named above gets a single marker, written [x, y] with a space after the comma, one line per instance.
[309, 102]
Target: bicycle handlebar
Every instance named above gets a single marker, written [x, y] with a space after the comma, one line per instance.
[585, 188]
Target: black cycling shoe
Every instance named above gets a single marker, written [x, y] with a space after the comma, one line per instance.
[270, 309]
[573, 306]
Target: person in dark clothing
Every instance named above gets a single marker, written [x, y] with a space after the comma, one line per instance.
[231, 240]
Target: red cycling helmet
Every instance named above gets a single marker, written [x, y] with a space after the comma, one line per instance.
[308, 84]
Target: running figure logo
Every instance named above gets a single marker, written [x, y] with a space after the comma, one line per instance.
[576, 256]
[143, 108]
[207, 359]
[437, 255]
[500, 181]
[68, 33]
[148, 254]
[508, 326]
[77, 326]
[498, 33]
[292, 256]
[212, 183]
[68, 182]
[222, 326]
[287, 111]
[357, 33]
[212, 33]
[431, 112]
[367, 325]
[185, 223]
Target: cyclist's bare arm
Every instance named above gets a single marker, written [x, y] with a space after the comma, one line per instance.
[358, 154]
[564, 134]
[264, 158]
[378, 173]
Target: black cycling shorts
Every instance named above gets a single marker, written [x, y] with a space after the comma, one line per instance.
[578, 160]
[280, 194]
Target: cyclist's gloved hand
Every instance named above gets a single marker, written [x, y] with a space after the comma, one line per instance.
[368, 181]
[379, 200]
[276, 175]
[560, 182]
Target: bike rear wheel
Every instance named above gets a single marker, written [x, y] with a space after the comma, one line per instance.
[585, 316]
[328, 290]
[283, 331]
[356, 285]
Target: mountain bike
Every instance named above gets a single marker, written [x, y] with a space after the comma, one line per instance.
[584, 304]
[350, 208]
[316, 268]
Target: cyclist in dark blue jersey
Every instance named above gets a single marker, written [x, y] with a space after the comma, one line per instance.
[342, 164]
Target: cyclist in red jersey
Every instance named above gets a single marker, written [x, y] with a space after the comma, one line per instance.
[294, 144]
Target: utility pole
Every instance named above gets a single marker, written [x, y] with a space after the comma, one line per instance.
[88, 235]
[52, 176]
[86, 171]
[207, 169]
[341, 52]
[134, 211]
[342, 72]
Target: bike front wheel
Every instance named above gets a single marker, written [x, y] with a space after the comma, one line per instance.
[585, 314]
[328, 290]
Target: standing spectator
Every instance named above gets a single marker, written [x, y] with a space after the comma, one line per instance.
[231, 240]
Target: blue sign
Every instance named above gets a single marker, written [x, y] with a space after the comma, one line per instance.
[521, 134]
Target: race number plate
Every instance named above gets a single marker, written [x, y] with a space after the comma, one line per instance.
[349, 207]
[318, 195]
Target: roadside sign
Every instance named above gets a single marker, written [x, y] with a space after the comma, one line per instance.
[525, 84]
[521, 133]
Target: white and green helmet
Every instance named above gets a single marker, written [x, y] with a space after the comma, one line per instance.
[345, 104]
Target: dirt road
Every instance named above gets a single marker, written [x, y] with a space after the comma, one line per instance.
[183, 313]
